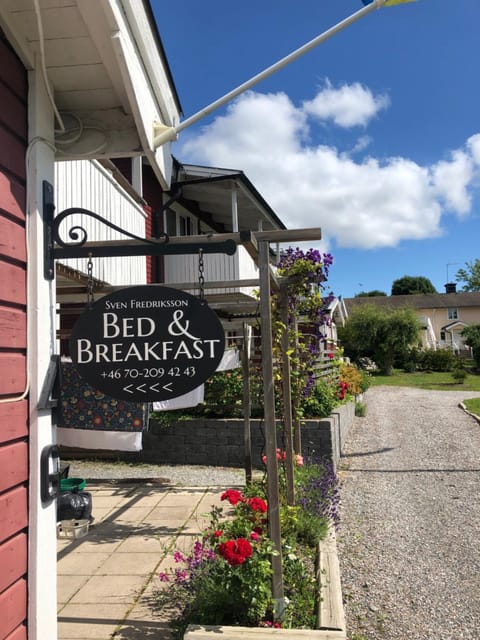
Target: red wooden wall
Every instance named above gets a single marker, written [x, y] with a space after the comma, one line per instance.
[13, 344]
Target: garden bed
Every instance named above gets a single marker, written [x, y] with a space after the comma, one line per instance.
[330, 616]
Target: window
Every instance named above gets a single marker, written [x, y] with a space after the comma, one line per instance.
[452, 313]
[185, 226]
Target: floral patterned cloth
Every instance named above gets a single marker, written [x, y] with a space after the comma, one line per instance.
[83, 407]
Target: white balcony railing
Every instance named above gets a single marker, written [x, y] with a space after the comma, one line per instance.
[217, 267]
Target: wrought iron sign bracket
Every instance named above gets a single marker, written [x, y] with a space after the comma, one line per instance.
[79, 247]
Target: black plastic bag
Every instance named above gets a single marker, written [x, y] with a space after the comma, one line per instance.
[74, 505]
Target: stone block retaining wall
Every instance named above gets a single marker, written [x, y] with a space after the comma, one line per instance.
[213, 442]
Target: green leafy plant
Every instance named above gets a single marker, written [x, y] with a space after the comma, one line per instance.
[360, 409]
[322, 400]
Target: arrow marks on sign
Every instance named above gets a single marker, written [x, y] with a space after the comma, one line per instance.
[130, 388]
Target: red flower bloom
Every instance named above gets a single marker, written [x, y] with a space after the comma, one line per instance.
[235, 552]
[257, 504]
[217, 534]
[232, 495]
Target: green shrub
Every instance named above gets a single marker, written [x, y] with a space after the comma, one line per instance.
[436, 360]
[223, 395]
[321, 402]
[458, 373]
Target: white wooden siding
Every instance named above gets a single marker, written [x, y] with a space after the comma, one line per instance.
[217, 266]
[86, 184]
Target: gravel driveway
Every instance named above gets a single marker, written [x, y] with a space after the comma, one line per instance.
[409, 539]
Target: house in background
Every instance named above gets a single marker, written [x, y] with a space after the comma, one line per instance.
[442, 316]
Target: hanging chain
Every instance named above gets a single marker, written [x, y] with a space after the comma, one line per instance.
[201, 279]
[90, 297]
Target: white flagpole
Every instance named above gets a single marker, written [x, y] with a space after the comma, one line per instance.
[164, 133]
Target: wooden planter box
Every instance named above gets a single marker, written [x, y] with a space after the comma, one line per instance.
[330, 615]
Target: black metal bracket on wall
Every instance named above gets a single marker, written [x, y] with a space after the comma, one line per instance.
[78, 246]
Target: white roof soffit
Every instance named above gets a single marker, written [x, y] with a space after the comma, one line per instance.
[107, 72]
[211, 188]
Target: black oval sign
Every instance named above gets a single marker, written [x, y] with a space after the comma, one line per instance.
[147, 343]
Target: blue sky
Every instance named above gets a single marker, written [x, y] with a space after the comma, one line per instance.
[374, 135]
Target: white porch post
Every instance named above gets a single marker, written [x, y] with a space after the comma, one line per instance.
[137, 176]
[42, 556]
[234, 209]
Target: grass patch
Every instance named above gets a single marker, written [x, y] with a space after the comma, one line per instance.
[437, 380]
[473, 405]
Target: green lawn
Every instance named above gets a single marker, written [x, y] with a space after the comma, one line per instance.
[442, 381]
[473, 405]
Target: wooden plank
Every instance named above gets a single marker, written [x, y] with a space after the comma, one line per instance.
[13, 560]
[330, 610]
[13, 153]
[195, 632]
[289, 235]
[13, 283]
[14, 374]
[13, 605]
[20, 633]
[13, 71]
[13, 113]
[12, 239]
[274, 527]
[13, 507]
[13, 328]
[14, 465]
[13, 420]
[12, 197]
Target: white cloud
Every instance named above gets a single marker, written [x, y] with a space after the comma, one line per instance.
[473, 145]
[452, 180]
[348, 106]
[363, 204]
[362, 143]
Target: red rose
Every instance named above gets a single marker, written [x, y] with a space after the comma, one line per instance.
[257, 504]
[232, 496]
[235, 552]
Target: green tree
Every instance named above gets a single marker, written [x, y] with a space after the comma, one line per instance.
[370, 294]
[410, 285]
[381, 333]
[472, 339]
[470, 276]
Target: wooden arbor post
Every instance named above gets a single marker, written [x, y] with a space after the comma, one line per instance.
[273, 497]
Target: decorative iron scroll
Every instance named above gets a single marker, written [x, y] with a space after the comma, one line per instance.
[78, 234]
[78, 246]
